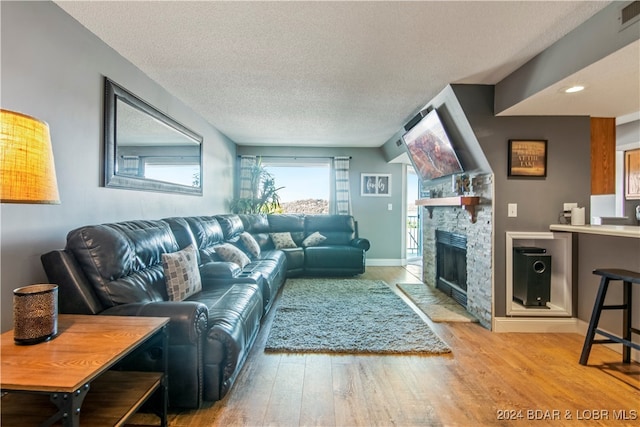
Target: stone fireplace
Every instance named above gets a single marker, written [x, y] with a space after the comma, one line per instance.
[465, 274]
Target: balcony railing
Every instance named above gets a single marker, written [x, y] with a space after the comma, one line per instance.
[413, 235]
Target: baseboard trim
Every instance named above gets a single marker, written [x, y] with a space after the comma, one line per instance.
[564, 325]
[528, 324]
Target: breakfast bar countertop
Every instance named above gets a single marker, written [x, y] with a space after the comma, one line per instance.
[604, 230]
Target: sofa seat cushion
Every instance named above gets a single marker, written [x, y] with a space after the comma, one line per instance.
[273, 273]
[267, 268]
[295, 258]
[273, 255]
[334, 259]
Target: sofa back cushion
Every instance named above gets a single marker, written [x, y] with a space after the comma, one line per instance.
[123, 261]
[338, 229]
[231, 226]
[293, 223]
[182, 233]
[207, 233]
[258, 226]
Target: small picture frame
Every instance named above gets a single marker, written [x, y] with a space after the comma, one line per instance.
[632, 174]
[375, 185]
[527, 158]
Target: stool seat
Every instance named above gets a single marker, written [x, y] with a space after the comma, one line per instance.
[618, 274]
[627, 278]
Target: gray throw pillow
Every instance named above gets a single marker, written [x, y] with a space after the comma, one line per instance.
[313, 239]
[250, 244]
[283, 240]
[230, 253]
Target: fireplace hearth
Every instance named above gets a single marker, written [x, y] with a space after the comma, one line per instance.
[451, 265]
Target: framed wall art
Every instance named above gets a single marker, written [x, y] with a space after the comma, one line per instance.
[632, 174]
[527, 158]
[375, 184]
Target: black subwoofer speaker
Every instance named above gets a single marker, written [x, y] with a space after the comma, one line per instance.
[531, 276]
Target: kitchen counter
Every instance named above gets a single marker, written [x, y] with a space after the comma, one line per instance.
[603, 230]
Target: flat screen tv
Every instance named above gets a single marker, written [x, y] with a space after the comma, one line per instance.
[430, 149]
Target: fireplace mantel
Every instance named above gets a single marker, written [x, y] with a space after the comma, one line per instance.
[468, 203]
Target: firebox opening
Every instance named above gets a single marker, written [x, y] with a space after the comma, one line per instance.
[451, 265]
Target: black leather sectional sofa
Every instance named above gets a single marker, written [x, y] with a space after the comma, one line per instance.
[117, 269]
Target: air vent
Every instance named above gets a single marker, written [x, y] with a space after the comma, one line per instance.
[629, 14]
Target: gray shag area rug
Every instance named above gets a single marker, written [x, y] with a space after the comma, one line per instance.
[348, 316]
[437, 305]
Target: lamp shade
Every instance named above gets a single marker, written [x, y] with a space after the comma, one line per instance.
[27, 172]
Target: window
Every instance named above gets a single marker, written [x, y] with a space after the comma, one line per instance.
[187, 174]
[306, 184]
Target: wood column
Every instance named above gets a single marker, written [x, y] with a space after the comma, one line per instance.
[603, 155]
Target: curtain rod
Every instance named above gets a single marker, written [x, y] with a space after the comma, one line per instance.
[291, 157]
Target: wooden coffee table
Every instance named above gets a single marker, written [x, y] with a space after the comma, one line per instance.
[70, 379]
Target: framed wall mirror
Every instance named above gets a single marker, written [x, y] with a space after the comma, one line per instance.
[147, 150]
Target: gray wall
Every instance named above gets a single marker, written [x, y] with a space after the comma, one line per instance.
[375, 222]
[628, 133]
[539, 200]
[53, 68]
[605, 252]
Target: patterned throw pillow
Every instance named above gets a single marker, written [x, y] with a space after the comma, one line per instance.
[230, 253]
[250, 244]
[313, 239]
[283, 240]
[181, 273]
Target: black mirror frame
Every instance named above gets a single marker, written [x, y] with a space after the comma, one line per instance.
[113, 92]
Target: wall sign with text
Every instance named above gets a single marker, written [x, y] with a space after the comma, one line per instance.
[375, 184]
[528, 157]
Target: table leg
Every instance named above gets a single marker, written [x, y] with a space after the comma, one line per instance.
[68, 405]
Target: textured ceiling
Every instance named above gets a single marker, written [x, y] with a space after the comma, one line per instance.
[324, 73]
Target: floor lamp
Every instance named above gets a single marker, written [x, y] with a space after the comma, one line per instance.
[27, 175]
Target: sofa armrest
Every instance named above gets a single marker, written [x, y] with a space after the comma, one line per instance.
[76, 294]
[361, 243]
[219, 270]
[188, 319]
[187, 328]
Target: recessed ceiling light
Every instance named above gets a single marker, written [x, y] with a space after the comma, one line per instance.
[574, 89]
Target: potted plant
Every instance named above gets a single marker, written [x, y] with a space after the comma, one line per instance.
[264, 199]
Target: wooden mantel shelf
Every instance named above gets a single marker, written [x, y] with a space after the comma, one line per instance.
[468, 203]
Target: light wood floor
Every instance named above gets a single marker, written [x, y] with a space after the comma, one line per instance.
[488, 380]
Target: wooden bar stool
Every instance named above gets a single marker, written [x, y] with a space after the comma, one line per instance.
[627, 277]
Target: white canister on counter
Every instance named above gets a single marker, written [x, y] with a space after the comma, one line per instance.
[577, 216]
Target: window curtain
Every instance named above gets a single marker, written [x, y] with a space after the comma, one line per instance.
[342, 205]
[131, 166]
[246, 165]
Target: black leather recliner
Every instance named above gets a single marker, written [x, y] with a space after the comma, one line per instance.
[116, 269]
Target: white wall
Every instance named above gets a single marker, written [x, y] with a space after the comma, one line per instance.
[53, 69]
